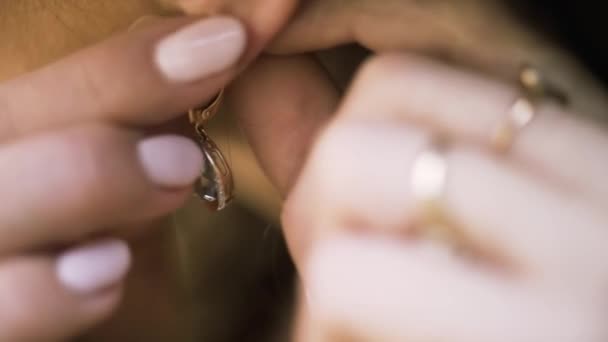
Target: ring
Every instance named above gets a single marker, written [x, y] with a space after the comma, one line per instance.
[432, 221]
[429, 178]
[524, 110]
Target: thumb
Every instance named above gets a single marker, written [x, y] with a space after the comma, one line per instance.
[144, 77]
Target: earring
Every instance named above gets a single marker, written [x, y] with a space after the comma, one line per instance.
[216, 185]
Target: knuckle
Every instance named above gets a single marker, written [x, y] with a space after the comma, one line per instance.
[83, 151]
[379, 90]
[92, 156]
[91, 85]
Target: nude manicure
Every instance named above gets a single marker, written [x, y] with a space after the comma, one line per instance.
[94, 267]
[201, 49]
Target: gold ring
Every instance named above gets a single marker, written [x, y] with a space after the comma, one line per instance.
[534, 89]
[432, 220]
[216, 184]
[429, 177]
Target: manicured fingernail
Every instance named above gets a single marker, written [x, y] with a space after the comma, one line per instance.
[201, 49]
[170, 161]
[94, 267]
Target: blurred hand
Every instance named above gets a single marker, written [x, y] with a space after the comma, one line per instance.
[485, 36]
[80, 169]
[356, 177]
[533, 221]
[532, 224]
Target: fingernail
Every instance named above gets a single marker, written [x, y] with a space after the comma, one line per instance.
[94, 267]
[171, 161]
[201, 49]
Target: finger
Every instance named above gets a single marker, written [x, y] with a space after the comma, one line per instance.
[359, 177]
[44, 298]
[281, 103]
[380, 290]
[142, 77]
[309, 29]
[556, 144]
[67, 185]
[448, 31]
[393, 25]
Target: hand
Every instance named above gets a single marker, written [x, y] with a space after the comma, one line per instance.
[281, 132]
[537, 215]
[335, 195]
[75, 24]
[81, 170]
[486, 36]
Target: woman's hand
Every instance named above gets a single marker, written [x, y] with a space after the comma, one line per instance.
[281, 132]
[486, 36]
[533, 220]
[80, 168]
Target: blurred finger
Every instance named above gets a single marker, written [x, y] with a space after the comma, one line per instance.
[379, 290]
[67, 185]
[442, 30]
[556, 144]
[359, 177]
[43, 298]
[323, 24]
[146, 76]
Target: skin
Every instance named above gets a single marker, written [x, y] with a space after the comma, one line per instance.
[150, 252]
[483, 36]
[285, 173]
[512, 258]
[334, 195]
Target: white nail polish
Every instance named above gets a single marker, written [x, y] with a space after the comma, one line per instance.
[201, 49]
[171, 161]
[94, 267]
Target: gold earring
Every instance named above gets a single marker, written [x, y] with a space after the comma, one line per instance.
[216, 184]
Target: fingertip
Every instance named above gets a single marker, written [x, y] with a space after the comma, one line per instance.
[171, 161]
[201, 49]
[90, 269]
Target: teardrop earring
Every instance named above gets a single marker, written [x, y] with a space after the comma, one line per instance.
[216, 185]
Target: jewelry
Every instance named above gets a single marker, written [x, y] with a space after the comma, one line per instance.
[428, 183]
[534, 89]
[216, 184]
